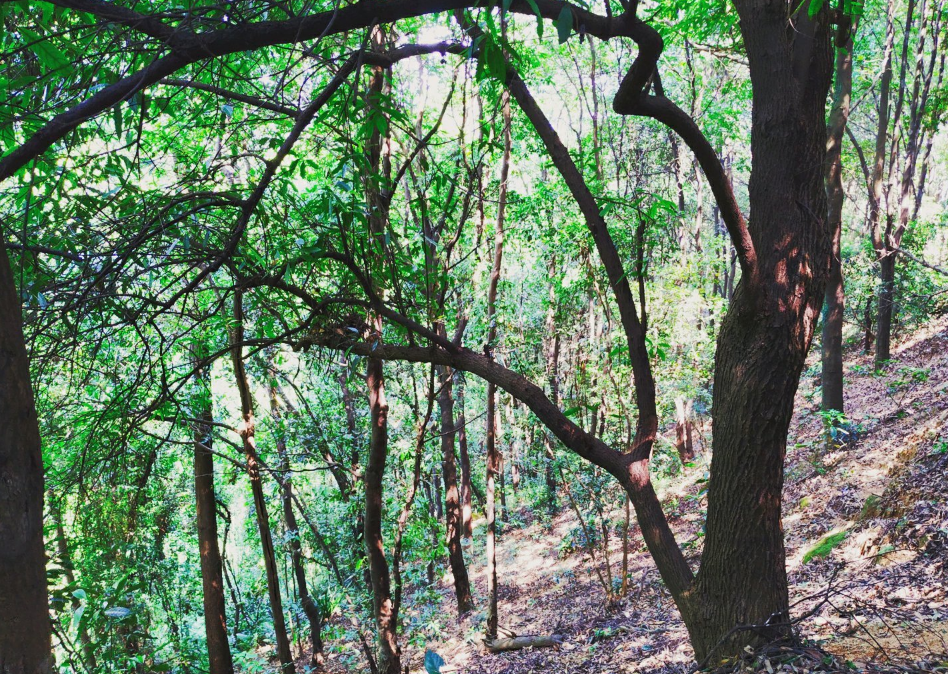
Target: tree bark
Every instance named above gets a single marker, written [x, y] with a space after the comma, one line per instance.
[376, 180]
[452, 500]
[766, 333]
[212, 575]
[25, 643]
[834, 302]
[467, 527]
[886, 308]
[389, 658]
[683, 439]
[494, 465]
[246, 429]
[310, 607]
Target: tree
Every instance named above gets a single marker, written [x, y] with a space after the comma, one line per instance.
[24, 613]
[739, 595]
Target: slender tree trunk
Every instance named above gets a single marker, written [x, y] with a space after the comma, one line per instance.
[212, 575]
[246, 429]
[886, 308]
[310, 607]
[868, 338]
[467, 527]
[389, 659]
[834, 302]
[878, 231]
[494, 465]
[379, 162]
[553, 378]
[452, 501]
[683, 440]
[25, 643]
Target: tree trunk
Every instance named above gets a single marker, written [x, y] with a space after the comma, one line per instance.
[25, 643]
[376, 180]
[886, 308]
[493, 456]
[452, 502]
[310, 608]
[246, 429]
[683, 439]
[389, 657]
[212, 575]
[467, 527]
[835, 297]
[765, 335]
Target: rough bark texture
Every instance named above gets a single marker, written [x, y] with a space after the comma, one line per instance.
[25, 646]
[766, 333]
[212, 574]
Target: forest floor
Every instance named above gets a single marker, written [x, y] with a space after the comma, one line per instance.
[870, 517]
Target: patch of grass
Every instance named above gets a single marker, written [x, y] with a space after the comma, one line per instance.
[825, 546]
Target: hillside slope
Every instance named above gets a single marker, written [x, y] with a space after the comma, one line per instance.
[869, 515]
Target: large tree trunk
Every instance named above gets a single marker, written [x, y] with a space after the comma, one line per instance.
[25, 645]
[310, 608]
[452, 501]
[766, 334]
[212, 575]
[835, 296]
[247, 428]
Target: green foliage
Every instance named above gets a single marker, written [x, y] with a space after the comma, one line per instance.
[825, 546]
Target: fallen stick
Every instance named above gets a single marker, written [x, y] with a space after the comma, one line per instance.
[529, 641]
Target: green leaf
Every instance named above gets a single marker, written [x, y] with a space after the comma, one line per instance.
[815, 7]
[564, 24]
[536, 10]
[48, 55]
[433, 662]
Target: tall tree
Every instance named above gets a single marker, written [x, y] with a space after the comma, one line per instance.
[309, 605]
[247, 430]
[494, 465]
[834, 303]
[377, 178]
[25, 644]
[212, 575]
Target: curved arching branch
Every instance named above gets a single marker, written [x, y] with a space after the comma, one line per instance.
[633, 98]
